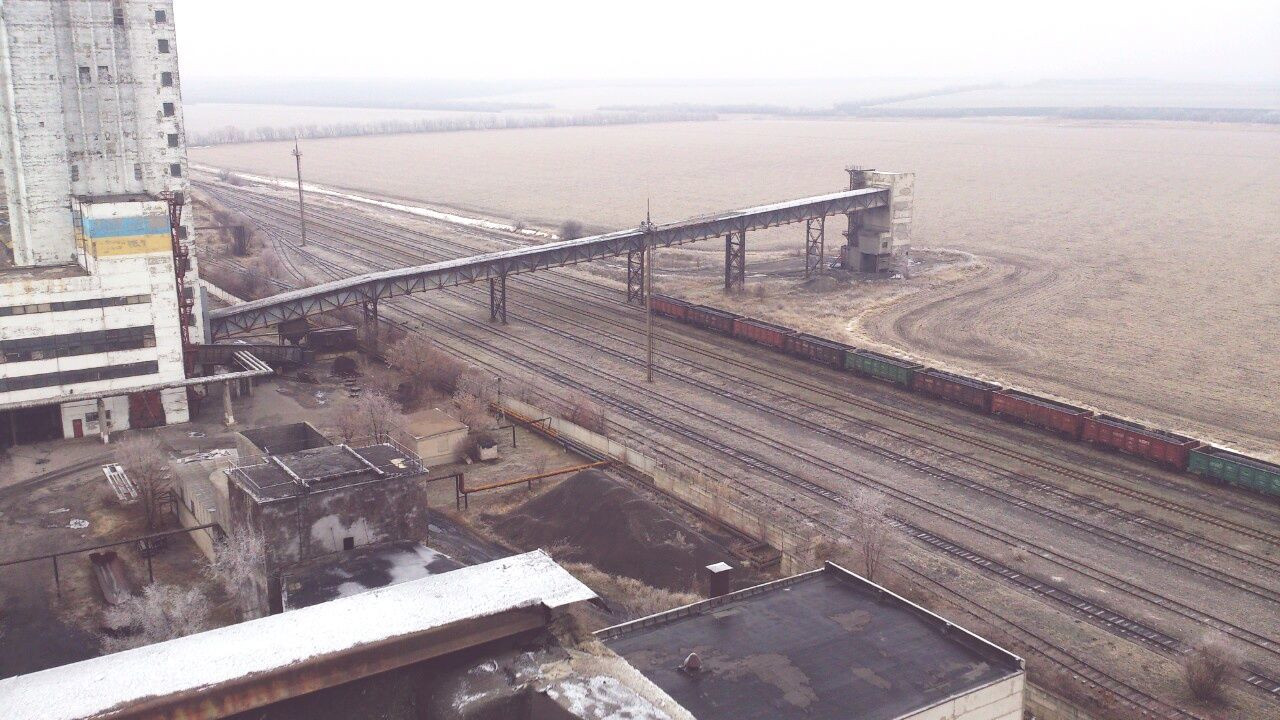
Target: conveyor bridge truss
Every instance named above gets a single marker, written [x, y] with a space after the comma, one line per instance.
[369, 288]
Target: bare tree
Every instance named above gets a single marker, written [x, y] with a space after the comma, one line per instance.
[570, 230]
[351, 425]
[377, 415]
[871, 525]
[581, 411]
[471, 411]
[144, 461]
[1208, 666]
[477, 384]
[161, 612]
[238, 564]
[425, 364]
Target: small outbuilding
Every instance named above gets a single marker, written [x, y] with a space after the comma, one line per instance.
[438, 438]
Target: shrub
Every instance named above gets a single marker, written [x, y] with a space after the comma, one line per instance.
[581, 411]
[636, 598]
[476, 440]
[570, 230]
[161, 612]
[1207, 668]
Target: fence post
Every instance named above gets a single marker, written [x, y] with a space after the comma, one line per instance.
[57, 580]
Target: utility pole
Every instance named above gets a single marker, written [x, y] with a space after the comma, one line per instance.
[302, 212]
[648, 293]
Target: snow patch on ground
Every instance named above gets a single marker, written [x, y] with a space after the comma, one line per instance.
[399, 207]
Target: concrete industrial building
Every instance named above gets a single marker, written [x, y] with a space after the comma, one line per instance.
[99, 303]
[505, 639]
[307, 497]
[826, 644]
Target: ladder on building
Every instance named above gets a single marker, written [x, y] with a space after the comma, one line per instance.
[124, 488]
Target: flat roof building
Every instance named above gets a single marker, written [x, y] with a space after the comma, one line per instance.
[306, 498]
[823, 645]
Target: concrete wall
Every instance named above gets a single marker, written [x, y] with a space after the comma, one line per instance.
[305, 527]
[797, 548]
[85, 109]
[201, 504]
[1003, 700]
[1043, 705]
[441, 448]
[887, 230]
[83, 410]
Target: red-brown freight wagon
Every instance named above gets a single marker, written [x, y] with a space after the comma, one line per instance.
[956, 388]
[817, 349]
[1159, 446]
[711, 318]
[761, 332]
[670, 307]
[1040, 411]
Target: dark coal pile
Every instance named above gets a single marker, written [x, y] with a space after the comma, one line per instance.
[611, 526]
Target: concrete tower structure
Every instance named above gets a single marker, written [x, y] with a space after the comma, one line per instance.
[98, 290]
[877, 236]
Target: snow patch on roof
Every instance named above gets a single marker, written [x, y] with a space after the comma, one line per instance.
[92, 687]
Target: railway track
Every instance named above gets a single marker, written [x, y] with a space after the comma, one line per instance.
[881, 409]
[1013, 477]
[747, 459]
[1262, 592]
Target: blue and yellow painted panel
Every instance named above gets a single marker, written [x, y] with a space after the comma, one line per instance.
[136, 235]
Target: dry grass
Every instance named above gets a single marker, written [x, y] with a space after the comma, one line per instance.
[628, 595]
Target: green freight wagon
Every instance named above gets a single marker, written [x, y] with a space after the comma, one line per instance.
[1237, 469]
[879, 365]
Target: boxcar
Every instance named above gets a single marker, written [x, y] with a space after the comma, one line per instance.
[879, 365]
[1237, 469]
[343, 337]
[1040, 411]
[761, 332]
[1159, 446]
[959, 389]
[711, 318]
[670, 307]
[817, 349]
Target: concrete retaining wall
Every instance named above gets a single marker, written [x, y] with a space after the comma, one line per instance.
[709, 497]
[1041, 705]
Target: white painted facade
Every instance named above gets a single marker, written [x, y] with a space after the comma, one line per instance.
[146, 281]
[1001, 700]
[92, 112]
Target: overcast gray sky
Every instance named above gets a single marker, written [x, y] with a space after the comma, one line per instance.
[1230, 40]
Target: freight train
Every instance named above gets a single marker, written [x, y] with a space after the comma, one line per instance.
[1161, 447]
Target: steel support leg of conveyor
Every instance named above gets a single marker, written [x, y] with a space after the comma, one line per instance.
[498, 299]
[814, 252]
[735, 261]
[635, 276]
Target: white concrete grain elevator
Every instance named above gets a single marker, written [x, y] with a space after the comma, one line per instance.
[99, 302]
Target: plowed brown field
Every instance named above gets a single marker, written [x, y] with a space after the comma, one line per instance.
[1134, 267]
